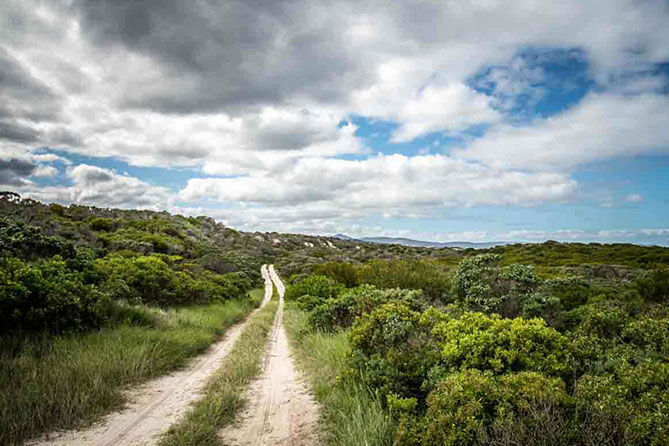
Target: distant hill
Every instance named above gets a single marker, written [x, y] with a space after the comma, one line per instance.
[422, 243]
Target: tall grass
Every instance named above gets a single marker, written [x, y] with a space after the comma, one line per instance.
[351, 415]
[51, 383]
[223, 395]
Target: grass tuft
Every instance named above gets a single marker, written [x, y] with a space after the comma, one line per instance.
[351, 414]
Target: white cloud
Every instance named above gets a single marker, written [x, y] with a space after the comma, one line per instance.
[250, 91]
[602, 126]
[634, 198]
[385, 182]
[103, 187]
[45, 172]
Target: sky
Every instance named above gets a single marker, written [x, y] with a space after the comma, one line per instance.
[447, 120]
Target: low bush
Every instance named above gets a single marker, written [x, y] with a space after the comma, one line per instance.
[343, 272]
[501, 345]
[340, 312]
[629, 406]
[317, 288]
[654, 285]
[473, 407]
[393, 350]
[48, 296]
[429, 276]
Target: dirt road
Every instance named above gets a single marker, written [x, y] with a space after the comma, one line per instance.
[159, 403]
[281, 410]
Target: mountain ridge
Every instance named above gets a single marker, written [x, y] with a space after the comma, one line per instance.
[421, 243]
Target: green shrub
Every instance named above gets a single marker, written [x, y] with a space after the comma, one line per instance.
[629, 406]
[157, 280]
[649, 334]
[501, 345]
[654, 285]
[343, 272]
[319, 288]
[101, 224]
[48, 296]
[340, 312]
[29, 242]
[572, 291]
[474, 407]
[393, 349]
[429, 276]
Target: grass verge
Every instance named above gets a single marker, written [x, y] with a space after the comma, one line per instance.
[49, 383]
[223, 394]
[351, 415]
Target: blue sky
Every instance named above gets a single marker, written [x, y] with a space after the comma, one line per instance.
[418, 119]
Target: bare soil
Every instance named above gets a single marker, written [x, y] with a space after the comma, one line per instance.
[280, 409]
[154, 406]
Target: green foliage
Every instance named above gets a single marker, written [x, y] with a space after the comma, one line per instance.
[101, 224]
[317, 288]
[29, 242]
[556, 254]
[340, 312]
[654, 285]
[484, 286]
[157, 280]
[393, 350]
[473, 407]
[343, 272]
[477, 341]
[429, 276]
[48, 296]
[629, 406]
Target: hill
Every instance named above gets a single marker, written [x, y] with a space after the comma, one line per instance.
[422, 243]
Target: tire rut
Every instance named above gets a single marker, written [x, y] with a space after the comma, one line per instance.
[281, 409]
[155, 405]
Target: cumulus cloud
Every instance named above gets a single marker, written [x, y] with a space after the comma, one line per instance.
[385, 182]
[265, 92]
[104, 187]
[602, 126]
[15, 172]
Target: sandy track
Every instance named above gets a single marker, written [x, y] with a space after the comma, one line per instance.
[157, 404]
[281, 410]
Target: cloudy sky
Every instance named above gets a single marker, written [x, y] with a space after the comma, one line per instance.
[441, 120]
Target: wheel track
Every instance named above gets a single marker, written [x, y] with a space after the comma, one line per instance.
[154, 406]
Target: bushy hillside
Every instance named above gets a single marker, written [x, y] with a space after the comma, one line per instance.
[489, 352]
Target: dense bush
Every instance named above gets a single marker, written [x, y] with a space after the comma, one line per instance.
[343, 272]
[429, 276]
[477, 341]
[26, 241]
[340, 312]
[101, 224]
[313, 291]
[654, 285]
[629, 406]
[485, 286]
[393, 350]
[473, 407]
[155, 280]
[49, 296]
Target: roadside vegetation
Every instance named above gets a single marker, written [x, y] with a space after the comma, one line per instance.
[223, 396]
[498, 355]
[551, 343]
[50, 383]
[351, 414]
